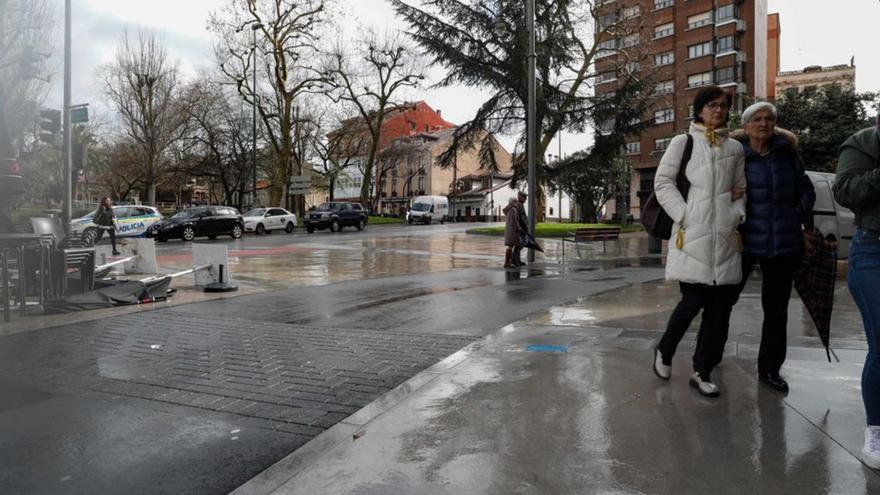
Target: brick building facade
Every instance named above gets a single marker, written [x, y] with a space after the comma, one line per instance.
[682, 46]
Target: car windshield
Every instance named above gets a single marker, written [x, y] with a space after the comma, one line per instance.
[326, 207]
[256, 212]
[421, 207]
[185, 214]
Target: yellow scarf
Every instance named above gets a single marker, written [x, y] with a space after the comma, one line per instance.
[713, 137]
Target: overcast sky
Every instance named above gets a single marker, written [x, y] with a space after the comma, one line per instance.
[814, 32]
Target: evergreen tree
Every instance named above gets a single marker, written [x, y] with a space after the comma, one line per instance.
[463, 37]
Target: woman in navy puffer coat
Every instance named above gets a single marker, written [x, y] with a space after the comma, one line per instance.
[780, 200]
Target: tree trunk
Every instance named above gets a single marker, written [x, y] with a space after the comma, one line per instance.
[151, 194]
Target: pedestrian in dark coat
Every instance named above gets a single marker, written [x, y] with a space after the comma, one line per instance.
[105, 219]
[781, 199]
[512, 232]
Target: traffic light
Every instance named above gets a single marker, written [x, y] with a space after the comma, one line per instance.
[50, 123]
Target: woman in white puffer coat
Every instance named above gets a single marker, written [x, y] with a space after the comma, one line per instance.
[704, 252]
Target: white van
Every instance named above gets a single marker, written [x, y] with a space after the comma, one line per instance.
[828, 216]
[428, 209]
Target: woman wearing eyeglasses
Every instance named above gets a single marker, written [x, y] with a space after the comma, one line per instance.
[704, 252]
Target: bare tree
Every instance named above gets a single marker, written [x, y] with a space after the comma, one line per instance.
[286, 46]
[143, 86]
[335, 145]
[369, 77]
[218, 146]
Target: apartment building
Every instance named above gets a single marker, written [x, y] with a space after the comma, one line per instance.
[816, 76]
[681, 46]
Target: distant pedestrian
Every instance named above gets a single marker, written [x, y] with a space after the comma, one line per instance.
[704, 250]
[781, 199]
[858, 187]
[513, 233]
[105, 219]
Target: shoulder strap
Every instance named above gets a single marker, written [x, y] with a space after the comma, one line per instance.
[681, 180]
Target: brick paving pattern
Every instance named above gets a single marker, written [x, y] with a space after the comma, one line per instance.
[292, 378]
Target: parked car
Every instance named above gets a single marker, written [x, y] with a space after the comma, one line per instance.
[131, 221]
[335, 216]
[829, 217]
[428, 209]
[265, 220]
[200, 221]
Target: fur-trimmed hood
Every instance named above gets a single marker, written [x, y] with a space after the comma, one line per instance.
[741, 136]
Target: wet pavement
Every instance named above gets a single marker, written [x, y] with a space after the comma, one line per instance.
[594, 419]
[343, 336]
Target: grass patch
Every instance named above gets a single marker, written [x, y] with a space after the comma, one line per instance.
[383, 220]
[553, 229]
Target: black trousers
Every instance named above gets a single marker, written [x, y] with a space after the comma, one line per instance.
[716, 302]
[111, 231]
[776, 279]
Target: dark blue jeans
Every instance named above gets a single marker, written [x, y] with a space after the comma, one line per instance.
[863, 278]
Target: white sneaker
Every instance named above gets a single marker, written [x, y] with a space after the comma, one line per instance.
[704, 385]
[661, 369]
[871, 450]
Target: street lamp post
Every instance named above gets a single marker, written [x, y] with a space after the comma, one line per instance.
[257, 26]
[66, 147]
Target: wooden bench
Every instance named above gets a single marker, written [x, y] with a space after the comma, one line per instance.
[591, 235]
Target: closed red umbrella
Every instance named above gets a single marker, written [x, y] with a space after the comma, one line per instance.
[814, 282]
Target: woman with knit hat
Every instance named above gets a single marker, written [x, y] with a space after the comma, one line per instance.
[781, 199]
[704, 250]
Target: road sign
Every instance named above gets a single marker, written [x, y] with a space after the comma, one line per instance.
[300, 180]
[79, 114]
[296, 190]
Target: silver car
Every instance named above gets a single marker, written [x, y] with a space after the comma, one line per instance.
[829, 217]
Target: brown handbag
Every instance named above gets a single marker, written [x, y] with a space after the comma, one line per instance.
[655, 220]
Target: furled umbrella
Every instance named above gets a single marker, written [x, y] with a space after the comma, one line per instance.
[814, 282]
[528, 241]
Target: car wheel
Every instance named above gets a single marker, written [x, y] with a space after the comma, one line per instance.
[361, 224]
[428, 221]
[410, 221]
[289, 228]
[189, 233]
[260, 230]
[310, 229]
[335, 226]
[237, 230]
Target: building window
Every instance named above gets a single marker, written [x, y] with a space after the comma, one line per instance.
[690, 112]
[701, 79]
[607, 47]
[607, 20]
[633, 148]
[700, 49]
[664, 58]
[727, 75]
[698, 20]
[727, 13]
[664, 115]
[606, 127]
[631, 40]
[662, 4]
[633, 67]
[661, 144]
[727, 44]
[630, 12]
[421, 184]
[605, 77]
[664, 87]
[664, 30]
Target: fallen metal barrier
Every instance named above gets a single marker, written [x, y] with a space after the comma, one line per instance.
[210, 262]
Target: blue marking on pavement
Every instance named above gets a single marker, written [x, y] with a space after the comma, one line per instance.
[547, 348]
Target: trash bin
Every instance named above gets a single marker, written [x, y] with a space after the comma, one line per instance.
[655, 245]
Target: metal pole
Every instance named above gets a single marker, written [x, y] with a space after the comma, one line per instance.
[66, 148]
[254, 121]
[531, 124]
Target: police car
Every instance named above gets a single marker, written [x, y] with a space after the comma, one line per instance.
[131, 221]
